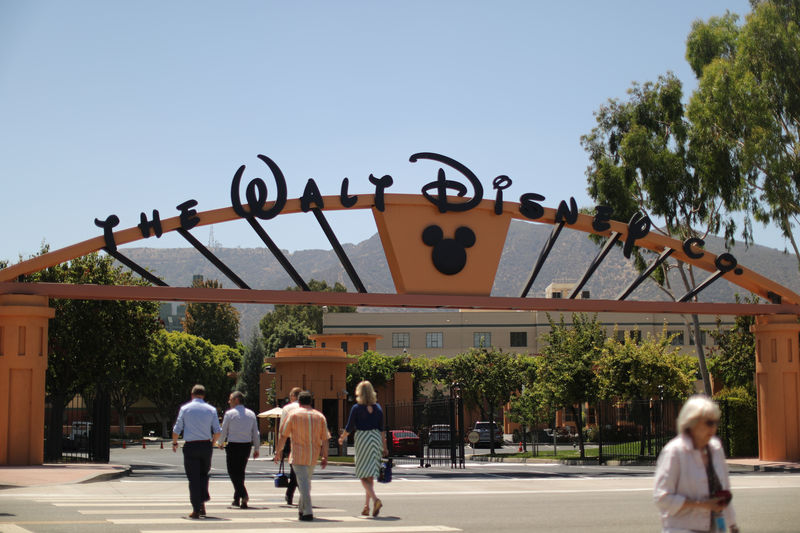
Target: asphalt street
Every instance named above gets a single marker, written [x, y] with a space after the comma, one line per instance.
[494, 497]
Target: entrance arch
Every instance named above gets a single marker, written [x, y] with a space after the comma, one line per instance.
[443, 248]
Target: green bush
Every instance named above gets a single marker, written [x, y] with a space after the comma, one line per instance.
[739, 420]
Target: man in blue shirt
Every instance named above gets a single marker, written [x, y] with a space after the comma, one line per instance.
[240, 430]
[199, 423]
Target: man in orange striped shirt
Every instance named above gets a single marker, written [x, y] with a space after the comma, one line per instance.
[308, 430]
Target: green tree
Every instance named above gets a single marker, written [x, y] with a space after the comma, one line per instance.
[570, 355]
[218, 323]
[95, 346]
[250, 376]
[310, 315]
[287, 333]
[374, 367]
[733, 357]
[488, 378]
[643, 369]
[531, 406]
[178, 361]
[643, 162]
[746, 110]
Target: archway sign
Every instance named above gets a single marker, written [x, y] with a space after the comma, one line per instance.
[443, 248]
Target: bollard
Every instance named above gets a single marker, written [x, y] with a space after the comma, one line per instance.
[144, 445]
[123, 444]
[162, 444]
[520, 446]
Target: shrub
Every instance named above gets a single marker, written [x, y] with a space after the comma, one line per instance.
[739, 420]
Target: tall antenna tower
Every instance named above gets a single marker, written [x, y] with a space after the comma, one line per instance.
[211, 242]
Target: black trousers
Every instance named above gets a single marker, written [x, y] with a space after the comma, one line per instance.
[236, 456]
[287, 448]
[197, 464]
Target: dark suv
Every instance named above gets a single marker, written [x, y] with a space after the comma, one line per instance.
[484, 434]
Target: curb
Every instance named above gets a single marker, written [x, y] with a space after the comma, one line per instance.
[106, 476]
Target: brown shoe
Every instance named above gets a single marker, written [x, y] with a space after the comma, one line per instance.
[377, 507]
[194, 515]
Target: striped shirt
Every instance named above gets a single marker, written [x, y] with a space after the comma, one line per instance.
[308, 430]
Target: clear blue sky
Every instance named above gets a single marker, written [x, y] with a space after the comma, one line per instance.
[124, 107]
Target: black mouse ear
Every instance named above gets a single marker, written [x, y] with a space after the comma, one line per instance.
[465, 236]
[432, 235]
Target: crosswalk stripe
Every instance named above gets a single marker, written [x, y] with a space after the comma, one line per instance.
[160, 503]
[184, 510]
[13, 528]
[335, 529]
[243, 520]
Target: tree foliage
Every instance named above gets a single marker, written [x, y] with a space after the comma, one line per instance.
[95, 344]
[645, 369]
[250, 375]
[178, 361]
[218, 323]
[488, 378]
[287, 333]
[308, 315]
[644, 162]
[570, 356]
[371, 366]
[733, 357]
[746, 110]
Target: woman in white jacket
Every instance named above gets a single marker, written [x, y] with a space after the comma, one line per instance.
[692, 489]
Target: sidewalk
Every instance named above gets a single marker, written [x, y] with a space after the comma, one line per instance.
[58, 474]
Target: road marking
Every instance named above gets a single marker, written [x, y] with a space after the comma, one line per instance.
[242, 520]
[13, 528]
[183, 510]
[335, 529]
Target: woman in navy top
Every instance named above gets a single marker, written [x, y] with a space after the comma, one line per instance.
[366, 420]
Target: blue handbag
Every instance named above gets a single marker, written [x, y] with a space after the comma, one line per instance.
[385, 473]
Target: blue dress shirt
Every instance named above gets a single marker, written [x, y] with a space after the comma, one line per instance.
[197, 420]
[240, 425]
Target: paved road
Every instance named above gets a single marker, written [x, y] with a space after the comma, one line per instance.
[492, 497]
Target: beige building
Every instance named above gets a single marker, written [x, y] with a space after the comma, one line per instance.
[448, 333]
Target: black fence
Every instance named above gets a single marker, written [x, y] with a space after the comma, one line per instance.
[624, 432]
[80, 432]
[429, 432]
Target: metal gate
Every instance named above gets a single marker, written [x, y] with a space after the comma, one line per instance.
[78, 432]
[439, 425]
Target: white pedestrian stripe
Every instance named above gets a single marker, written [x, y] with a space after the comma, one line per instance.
[335, 529]
[13, 528]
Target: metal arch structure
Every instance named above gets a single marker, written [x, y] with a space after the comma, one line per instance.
[443, 249]
[402, 265]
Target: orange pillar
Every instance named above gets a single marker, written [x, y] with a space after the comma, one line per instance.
[778, 387]
[23, 361]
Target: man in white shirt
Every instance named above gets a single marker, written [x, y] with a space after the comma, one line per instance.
[240, 430]
[288, 408]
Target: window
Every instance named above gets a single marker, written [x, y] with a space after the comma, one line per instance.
[401, 340]
[556, 294]
[677, 340]
[434, 339]
[702, 338]
[344, 347]
[518, 338]
[481, 339]
[634, 334]
[366, 346]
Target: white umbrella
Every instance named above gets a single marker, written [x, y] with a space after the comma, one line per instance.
[275, 412]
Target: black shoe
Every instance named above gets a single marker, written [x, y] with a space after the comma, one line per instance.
[244, 503]
[288, 499]
[306, 517]
[235, 503]
[202, 511]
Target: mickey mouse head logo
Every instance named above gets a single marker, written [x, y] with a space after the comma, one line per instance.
[449, 255]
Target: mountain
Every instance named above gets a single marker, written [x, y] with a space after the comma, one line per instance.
[568, 260]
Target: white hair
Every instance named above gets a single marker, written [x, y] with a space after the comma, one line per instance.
[697, 407]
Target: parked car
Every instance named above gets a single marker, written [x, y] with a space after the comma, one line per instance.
[439, 436]
[404, 442]
[484, 434]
